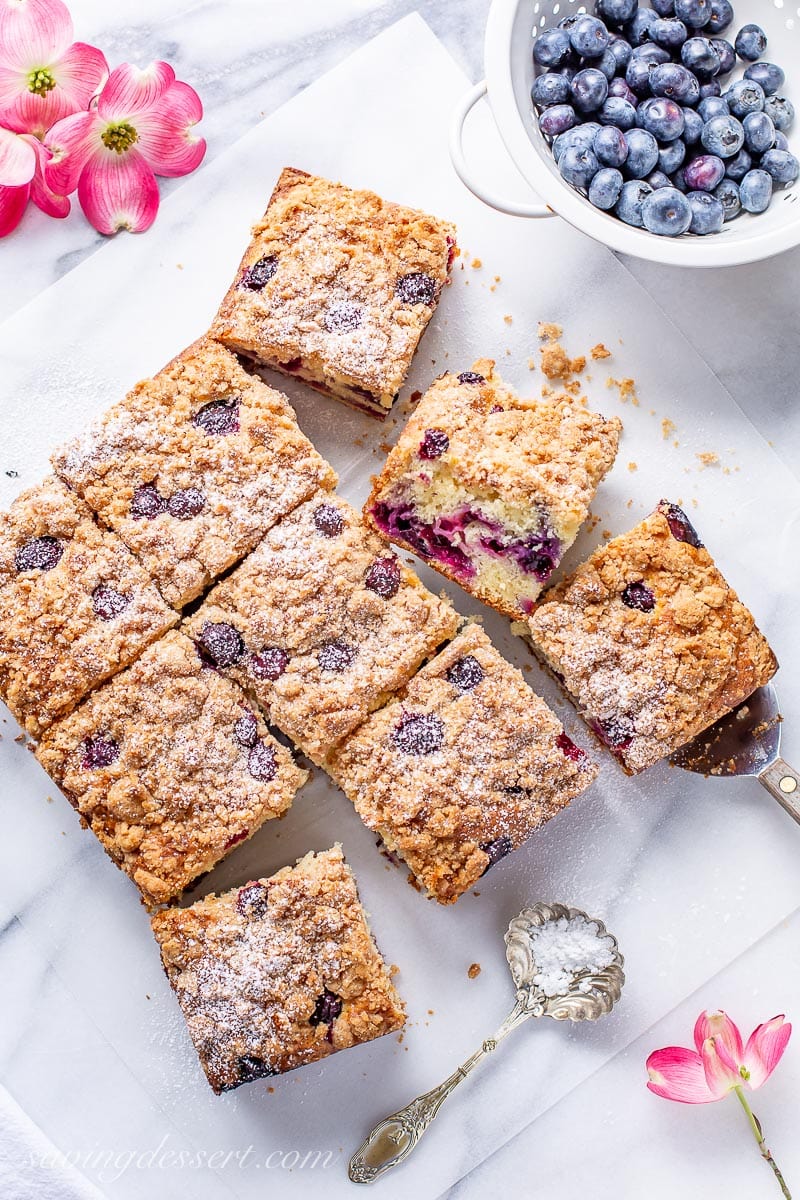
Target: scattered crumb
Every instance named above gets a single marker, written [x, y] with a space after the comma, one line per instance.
[629, 504]
[385, 447]
[600, 351]
[627, 389]
[632, 466]
[694, 502]
[493, 287]
[474, 970]
[476, 263]
[549, 332]
[667, 428]
[607, 534]
[400, 1037]
[179, 266]
[497, 278]
[415, 397]
[359, 441]
[394, 969]
[556, 363]
[707, 459]
[20, 738]
[508, 318]
[531, 365]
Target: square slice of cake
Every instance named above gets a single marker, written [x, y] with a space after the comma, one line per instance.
[278, 973]
[170, 766]
[649, 641]
[193, 467]
[489, 488]
[75, 605]
[321, 623]
[336, 288]
[461, 768]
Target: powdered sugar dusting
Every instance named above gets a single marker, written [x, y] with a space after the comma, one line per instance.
[566, 949]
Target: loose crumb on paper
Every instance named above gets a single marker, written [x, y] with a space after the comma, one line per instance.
[707, 459]
[600, 351]
[477, 263]
[548, 332]
[508, 319]
[557, 364]
[474, 970]
[633, 466]
[667, 428]
[626, 388]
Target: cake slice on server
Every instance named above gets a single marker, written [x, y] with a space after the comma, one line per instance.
[491, 489]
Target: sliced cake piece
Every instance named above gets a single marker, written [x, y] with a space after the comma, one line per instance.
[321, 623]
[461, 767]
[278, 973]
[490, 488]
[649, 641]
[336, 288]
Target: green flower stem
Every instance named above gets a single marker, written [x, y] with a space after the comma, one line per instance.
[759, 1136]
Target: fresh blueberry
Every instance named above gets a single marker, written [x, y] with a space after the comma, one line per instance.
[610, 146]
[712, 88]
[38, 554]
[629, 205]
[745, 96]
[664, 8]
[649, 52]
[328, 520]
[497, 849]
[101, 750]
[618, 89]
[692, 126]
[557, 119]
[671, 156]
[581, 136]
[781, 111]
[679, 524]
[637, 30]
[108, 603]
[721, 16]
[666, 212]
[569, 20]
[416, 288]
[434, 444]
[578, 166]
[755, 191]
[605, 188]
[589, 37]
[639, 596]
[728, 195]
[607, 63]
[419, 733]
[549, 89]
[642, 153]
[258, 276]
[262, 763]
[186, 503]
[704, 173]
[678, 180]
[723, 136]
[759, 132]
[552, 48]
[618, 112]
[675, 82]
[223, 644]
[383, 578]
[694, 13]
[768, 76]
[707, 213]
[782, 166]
[751, 42]
[327, 1008]
[737, 167]
[245, 730]
[252, 900]
[617, 12]
[726, 55]
[661, 117]
[218, 418]
[781, 140]
[700, 57]
[669, 33]
[270, 663]
[146, 502]
[589, 89]
[640, 68]
[465, 674]
[713, 106]
[336, 657]
[621, 49]
[658, 179]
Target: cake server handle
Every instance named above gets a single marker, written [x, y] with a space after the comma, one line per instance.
[783, 784]
[391, 1141]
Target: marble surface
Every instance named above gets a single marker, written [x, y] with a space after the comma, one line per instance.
[697, 879]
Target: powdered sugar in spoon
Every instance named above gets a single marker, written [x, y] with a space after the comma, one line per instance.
[565, 965]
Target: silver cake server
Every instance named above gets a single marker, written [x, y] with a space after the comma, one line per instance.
[747, 742]
[590, 995]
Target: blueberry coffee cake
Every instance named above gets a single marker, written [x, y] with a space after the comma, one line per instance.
[75, 605]
[490, 488]
[278, 973]
[321, 623]
[461, 767]
[170, 766]
[193, 466]
[336, 288]
[649, 640]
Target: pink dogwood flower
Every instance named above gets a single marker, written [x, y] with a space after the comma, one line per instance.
[22, 162]
[139, 127]
[721, 1063]
[44, 75]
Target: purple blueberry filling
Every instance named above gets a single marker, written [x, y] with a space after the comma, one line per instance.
[253, 900]
[416, 288]
[269, 663]
[336, 656]
[616, 733]
[342, 316]
[259, 275]
[218, 418]
[496, 850]
[680, 526]
[638, 595]
[222, 642]
[246, 730]
[434, 444]
[39, 554]
[465, 674]
[419, 733]
[146, 502]
[108, 603]
[569, 749]
[251, 1068]
[99, 751]
[326, 1010]
[470, 377]
[261, 762]
[328, 520]
[186, 503]
[383, 578]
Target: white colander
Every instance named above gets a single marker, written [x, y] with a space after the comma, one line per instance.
[511, 29]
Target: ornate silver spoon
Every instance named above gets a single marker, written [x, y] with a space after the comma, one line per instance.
[545, 988]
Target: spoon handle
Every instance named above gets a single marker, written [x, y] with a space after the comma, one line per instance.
[391, 1141]
[783, 784]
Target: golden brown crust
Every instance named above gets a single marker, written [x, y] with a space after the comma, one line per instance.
[66, 629]
[184, 782]
[249, 969]
[329, 313]
[649, 680]
[446, 771]
[246, 477]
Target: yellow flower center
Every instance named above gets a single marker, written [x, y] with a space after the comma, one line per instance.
[41, 81]
[745, 1074]
[119, 137]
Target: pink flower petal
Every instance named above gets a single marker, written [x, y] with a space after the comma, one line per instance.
[132, 90]
[764, 1050]
[33, 33]
[180, 104]
[119, 191]
[719, 1025]
[13, 202]
[79, 73]
[17, 160]
[167, 141]
[12, 84]
[677, 1073]
[722, 1072]
[41, 195]
[71, 142]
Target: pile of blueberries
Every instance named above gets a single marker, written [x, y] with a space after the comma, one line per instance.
[632, 103]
